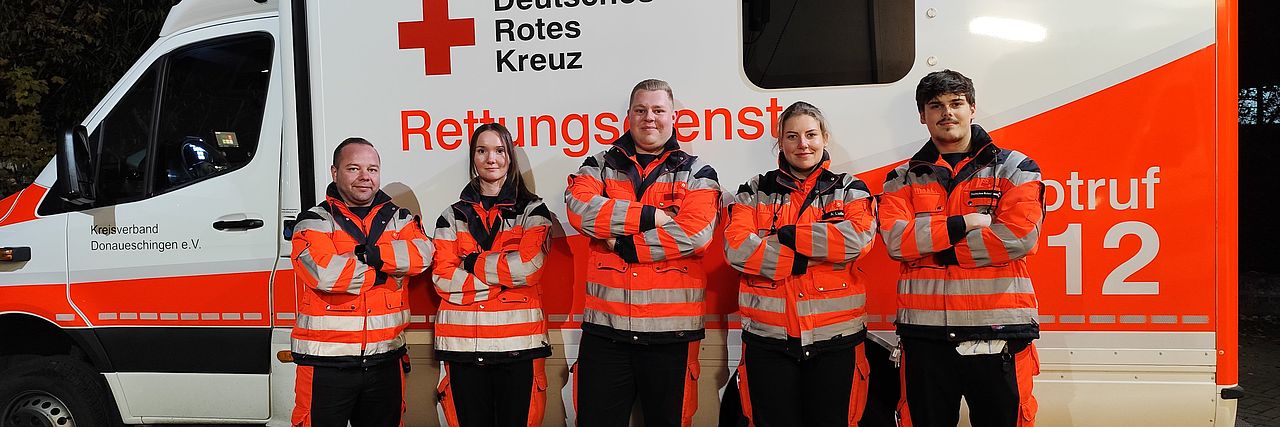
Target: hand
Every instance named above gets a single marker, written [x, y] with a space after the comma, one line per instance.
[661, 217]
[975, 221]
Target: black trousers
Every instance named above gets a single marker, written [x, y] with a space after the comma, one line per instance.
[505, 394]
[365, 397]
[610, 375]
[829, 389]
[882, 394]
[996, 387]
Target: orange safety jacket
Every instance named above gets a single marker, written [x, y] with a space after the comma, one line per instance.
[650, 287]
[353, 310]
[487, 265]
[958, 285]
[795, 242]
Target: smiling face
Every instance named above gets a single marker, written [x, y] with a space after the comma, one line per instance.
[801, 142]
[490, 158]
[356, 174]
[652, 118]
[948, 116]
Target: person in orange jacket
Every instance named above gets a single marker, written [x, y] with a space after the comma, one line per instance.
[962, 216]
[650, 210]
[795, 233]
[354, 253]
[490, 331]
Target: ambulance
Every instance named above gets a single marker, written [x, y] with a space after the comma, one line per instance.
[145, 274]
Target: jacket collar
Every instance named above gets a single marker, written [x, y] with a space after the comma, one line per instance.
[331, 194]
[791, 181]
[506, 196]
[628, 145]
[981, 147]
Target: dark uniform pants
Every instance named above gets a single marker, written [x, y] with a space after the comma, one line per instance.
[996, 387]
[609, 375]
[505, 394]
[366, 397]
[829, 389]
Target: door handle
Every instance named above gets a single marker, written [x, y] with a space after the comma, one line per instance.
[15, 254]
[243, 224]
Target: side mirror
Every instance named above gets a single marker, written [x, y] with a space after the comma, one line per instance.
[75, 185]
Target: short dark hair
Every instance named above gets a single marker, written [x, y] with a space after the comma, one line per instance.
[513, 164]
[941, 83]
[349, 141]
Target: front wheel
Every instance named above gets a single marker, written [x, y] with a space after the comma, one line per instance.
[55, 392]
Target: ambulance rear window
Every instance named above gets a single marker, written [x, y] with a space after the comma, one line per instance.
[793, 43]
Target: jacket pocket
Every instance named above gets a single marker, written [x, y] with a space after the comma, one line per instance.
[606, 269]
[924, 202]
[611, 263]
[513, 297]
[340, 302]
[394, 300]
[758, 282]
[1027, 409]
[861, 377]
[831, 281]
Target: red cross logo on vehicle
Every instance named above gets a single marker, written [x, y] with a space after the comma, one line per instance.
[435, 34]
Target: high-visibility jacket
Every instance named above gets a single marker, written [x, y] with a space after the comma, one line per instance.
[955, 285]
[353, 309]
[487, 265]
[795, 242]
[650, 287]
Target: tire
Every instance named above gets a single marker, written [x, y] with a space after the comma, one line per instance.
[56, 391]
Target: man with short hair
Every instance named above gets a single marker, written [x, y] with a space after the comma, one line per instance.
[354, 253]
[962, 216]
[650, 210]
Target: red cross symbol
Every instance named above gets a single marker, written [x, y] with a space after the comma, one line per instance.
[436, 33]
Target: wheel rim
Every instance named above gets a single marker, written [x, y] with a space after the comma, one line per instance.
[36, 409]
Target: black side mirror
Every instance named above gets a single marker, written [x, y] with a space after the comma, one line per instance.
[75, 185]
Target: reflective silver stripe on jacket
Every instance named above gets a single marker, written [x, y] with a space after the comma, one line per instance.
[489, 318]
[652, 296]
[643, 324]
[1000, 316]
[471, 344]
[352, 323]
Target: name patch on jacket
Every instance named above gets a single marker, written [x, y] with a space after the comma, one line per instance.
[830, 215]
[984, 194]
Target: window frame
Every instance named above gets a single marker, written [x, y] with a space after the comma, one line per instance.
[876, 48]
[161, 67]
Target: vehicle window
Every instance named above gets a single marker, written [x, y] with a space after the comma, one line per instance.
[122, 140]
[793, 43]
[211, 110]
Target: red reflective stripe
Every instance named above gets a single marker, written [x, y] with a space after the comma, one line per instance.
[445, 392]
[490, 331]
[302, 396]
[690, 402]
[858, 390]
[744, 390]
[538, 393]
[348, 337]
[904, 411]
[825, 319]
[1027, 365]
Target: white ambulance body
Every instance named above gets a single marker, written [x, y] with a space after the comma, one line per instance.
[146, 274]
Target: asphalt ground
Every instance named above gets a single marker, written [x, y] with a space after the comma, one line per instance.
[1259, 371]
